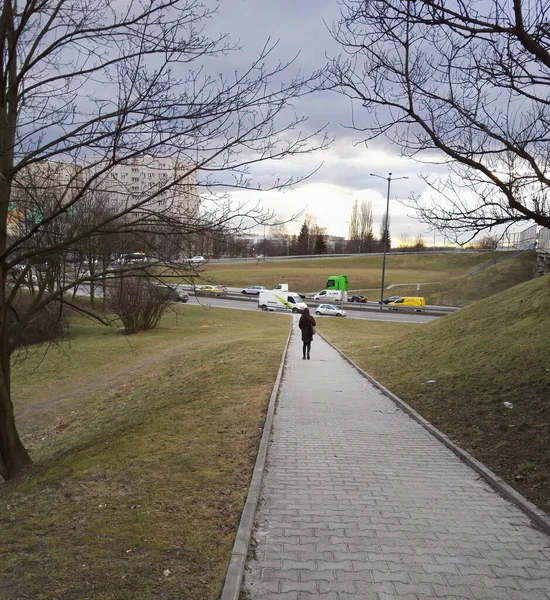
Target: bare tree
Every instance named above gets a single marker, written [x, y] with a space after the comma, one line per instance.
[281, 237]
[405, 242]
[419, 243]
[314, 231]
[138, 302]
[366, 226]
[354, 234]
[462, 83]
[487, 242]
[91, 256]
[279, 230]
[339, 247]
[87, 87]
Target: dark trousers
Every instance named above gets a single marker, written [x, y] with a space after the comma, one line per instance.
[306, 346]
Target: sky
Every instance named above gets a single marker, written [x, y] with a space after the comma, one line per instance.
[341, 173]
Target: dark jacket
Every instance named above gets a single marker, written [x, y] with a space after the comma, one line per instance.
[307, 325]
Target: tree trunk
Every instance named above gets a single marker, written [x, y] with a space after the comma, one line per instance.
[104, 290]
[13, 456]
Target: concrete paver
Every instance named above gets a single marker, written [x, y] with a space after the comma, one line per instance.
[360, 501]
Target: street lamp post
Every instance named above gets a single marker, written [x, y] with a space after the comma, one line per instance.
[389, 180]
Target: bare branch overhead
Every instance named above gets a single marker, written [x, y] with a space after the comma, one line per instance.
[464, 83]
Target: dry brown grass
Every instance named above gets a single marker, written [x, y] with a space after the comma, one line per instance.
[462, 291]
[364, 272]
[144, 473]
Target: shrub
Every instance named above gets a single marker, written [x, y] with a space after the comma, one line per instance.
[138, 302]
[47, 324]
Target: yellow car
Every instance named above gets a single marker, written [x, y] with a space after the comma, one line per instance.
[412, 301]
[210, 290]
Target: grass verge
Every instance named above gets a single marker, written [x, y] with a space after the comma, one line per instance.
[462, 291]
[494, 351]
[364, 272]
[139, 478]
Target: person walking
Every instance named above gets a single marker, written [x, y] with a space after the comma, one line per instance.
[306, 324]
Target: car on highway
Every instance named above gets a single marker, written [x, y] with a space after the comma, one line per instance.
[172, 293]
[183, 296]
[130, 260]
[210, 290]
[390, 299]
[330, 310]
[254, 290]
[408, 301]
[277, 300]
[197, 260]
[357, 299]
[30, 276]
[167, 293]
[334, 295]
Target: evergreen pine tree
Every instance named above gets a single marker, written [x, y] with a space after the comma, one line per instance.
[303, 239]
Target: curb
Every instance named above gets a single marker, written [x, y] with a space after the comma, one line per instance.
[235, 570]
[538, 516]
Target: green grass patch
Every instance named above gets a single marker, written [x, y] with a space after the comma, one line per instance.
[494, 351]
[461, 291]
[143, 448]
[364, 272]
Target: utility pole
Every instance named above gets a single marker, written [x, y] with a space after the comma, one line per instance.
[386, 232]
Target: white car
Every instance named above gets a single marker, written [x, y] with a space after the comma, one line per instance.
[198, 260]
[30, 277]
[254, 290]
[329, 309]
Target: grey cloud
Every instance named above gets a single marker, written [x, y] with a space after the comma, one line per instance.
[301, 31]
[300, 27]
[350, 167]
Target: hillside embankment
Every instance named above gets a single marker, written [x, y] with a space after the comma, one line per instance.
[480, 375]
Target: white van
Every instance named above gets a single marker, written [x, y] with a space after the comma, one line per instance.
[283, 287]
[332, 296]
[276, 300]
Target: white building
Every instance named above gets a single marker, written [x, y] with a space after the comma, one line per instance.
[142, 179]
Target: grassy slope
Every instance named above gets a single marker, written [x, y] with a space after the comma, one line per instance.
[461, 291]
[146, 474]
[493, 351]
[363, 272]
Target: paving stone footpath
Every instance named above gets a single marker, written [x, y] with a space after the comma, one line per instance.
[359, 501]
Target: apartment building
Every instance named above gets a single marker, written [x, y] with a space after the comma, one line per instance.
[142, 180]
[43, 187]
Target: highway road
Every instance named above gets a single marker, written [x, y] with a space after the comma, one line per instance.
[252, 304]
[354, 311]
